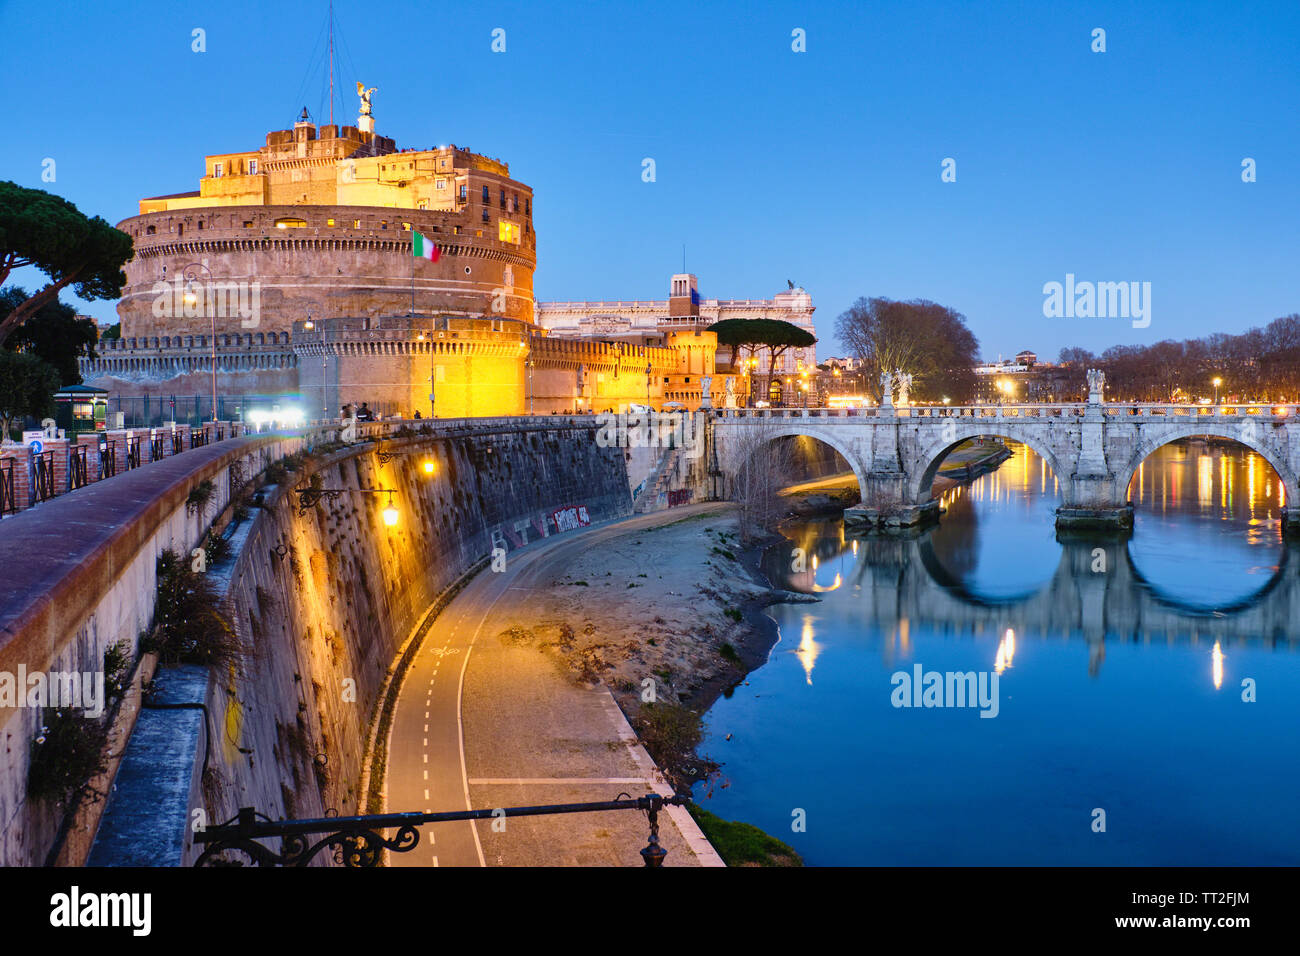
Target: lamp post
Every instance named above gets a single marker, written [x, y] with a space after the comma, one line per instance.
[191, 274]
[648, 370]
[309, 497]
[1217, 382]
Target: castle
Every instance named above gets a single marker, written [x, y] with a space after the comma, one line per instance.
[293, 271]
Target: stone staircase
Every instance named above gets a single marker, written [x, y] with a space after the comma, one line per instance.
[657, 482]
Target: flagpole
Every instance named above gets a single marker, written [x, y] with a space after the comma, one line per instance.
[412, 276]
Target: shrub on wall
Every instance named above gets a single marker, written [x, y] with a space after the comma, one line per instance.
[187, 626]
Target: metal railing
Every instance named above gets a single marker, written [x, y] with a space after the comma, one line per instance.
[178, 443]
[8, 502]
[132, 453]
[43, 474]
[107, 460]
[360, 841]
[156, 448]
[78, 473]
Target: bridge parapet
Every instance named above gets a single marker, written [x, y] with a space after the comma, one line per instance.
[1093, 448]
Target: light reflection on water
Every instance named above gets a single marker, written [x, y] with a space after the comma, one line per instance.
[1120, 667]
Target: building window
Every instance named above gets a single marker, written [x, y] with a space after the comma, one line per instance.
[289, 222]
[252, 167]
[528, 207]
[218, 169]
[329, 222]
[507, 231]
[487, 195]
[485, 216]
[464, 193]
[356, 223]
[503, 199]
[455, 230]
[406, 226]
[442, 183]
[248, 224]
[422, 204]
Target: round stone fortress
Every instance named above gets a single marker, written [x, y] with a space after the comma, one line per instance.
[322, 226]
[287, 263]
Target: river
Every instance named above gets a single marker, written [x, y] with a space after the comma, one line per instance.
[1146, 707]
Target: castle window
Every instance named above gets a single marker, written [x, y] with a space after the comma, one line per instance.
[150, 230]
[406, 226]
[455, 230]
[218, 169]
[503, 199]
[248, 224]
[356, 223]
[289, 222]
[508, 231]
[442, 183]
[422, 204]
[487, 194]
[485, 216]
[464, 193]
[528, 207]
[252, 167]
[329, 222]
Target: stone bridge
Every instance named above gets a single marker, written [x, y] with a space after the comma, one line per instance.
[1094, 448]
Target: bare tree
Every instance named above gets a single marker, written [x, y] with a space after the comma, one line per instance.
[764, 462]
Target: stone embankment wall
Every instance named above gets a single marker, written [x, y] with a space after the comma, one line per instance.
[323, 601]
[80, 577]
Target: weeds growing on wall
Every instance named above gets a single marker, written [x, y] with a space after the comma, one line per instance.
[200, 495]
[188, 628]
[117, 668]
[67, 753]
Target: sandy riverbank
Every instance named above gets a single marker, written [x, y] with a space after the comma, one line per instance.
[674, 605]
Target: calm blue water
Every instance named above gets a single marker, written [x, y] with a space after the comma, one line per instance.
[1107, 689]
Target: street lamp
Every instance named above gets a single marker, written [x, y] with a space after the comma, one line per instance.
[648, 370]
[1217, 382]
[191, 274]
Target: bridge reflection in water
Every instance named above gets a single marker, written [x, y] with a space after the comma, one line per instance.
[1120, 665]
[994, 565]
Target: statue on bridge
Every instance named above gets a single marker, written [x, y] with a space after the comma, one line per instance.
[904, 387]
[1096, 386]
[887, 388]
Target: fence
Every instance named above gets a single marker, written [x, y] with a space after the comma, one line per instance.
[8, 502]
[78, 476]
[150, 411]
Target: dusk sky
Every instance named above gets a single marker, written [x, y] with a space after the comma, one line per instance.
[821, 166]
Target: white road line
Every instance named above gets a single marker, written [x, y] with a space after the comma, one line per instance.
[542, 781]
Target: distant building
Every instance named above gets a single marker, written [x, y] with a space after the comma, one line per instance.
[649, 321]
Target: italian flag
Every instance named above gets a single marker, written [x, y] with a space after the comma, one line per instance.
[424, 247]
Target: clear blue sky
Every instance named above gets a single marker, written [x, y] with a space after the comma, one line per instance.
[822, 167]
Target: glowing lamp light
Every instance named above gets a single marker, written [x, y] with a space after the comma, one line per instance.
[390, 513]
[429, 467]
[309, 325]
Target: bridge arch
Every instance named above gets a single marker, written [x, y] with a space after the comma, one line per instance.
[1149, 445]
[741, 441]
[930, 455]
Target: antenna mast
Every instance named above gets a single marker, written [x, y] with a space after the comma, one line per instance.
[331, 67]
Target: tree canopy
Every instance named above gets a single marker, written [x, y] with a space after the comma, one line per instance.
[46, 231]
[927, 340]
[27, 387]
[1260, 364]
[749, 336]
[55, 335]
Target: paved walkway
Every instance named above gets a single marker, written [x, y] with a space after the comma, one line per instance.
[481, 723]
